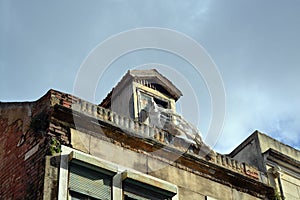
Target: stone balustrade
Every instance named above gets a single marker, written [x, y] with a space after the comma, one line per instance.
[142, 130]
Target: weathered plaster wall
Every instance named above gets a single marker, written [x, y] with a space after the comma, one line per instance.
[51, 180]
[291, 187]
[267, 142]
[191, 186]
[290, 184]
[250, 153]
[256, 151]
[109, 136]
[122, 101]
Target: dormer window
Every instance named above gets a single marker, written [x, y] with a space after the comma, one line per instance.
[138, 92]
[146, 104]
[146, 98]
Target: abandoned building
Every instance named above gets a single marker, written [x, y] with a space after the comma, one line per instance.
[132, 146]
[278, 162]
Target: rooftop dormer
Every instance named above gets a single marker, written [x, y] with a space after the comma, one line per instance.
[140, 90]
[148, 98]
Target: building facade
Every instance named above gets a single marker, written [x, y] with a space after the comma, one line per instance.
[279, 162]
[131, 146]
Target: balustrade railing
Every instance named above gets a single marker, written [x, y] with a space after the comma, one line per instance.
[147, 131]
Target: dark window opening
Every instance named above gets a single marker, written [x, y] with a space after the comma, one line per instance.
[78, 196]
[134, 190]
[145, 105]
[161, 103]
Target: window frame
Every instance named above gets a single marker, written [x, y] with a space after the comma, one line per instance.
[155, 97]
[120, 174]
[149, 183]
[151, 92]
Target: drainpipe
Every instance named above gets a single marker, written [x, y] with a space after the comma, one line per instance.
[276, 170]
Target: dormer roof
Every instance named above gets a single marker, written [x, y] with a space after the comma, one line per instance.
[151, 78]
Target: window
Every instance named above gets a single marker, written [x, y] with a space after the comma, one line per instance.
[148, 109]
[210, 198]
[78, 196]
[138, 191]
[89, 178]
[141, 187]
[89, 182]
[146, 99]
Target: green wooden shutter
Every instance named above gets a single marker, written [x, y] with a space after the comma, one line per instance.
[90, 182]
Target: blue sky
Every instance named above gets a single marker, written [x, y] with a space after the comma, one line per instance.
[255, 45]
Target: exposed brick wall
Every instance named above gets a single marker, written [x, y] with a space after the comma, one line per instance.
[23, 149]
[20, 178]
[63, 99]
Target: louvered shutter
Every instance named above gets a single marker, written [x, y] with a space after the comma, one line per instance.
[90, 182]
[131, 196]
[140, 191]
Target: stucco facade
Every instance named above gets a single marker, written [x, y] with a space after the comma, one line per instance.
[279, 162]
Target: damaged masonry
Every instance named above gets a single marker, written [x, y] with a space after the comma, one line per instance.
[133, 145]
